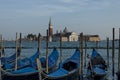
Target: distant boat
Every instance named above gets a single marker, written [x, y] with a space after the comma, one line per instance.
[97, 67]
[68, 70]
[30, 72]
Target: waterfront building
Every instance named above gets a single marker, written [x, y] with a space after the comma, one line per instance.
[94, 38]
[66, 36]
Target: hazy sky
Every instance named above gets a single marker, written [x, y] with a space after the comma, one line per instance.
[32, 16]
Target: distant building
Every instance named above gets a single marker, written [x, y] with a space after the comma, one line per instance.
[66, 36]
[92, 38]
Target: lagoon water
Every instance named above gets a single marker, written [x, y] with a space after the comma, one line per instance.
[31, 48]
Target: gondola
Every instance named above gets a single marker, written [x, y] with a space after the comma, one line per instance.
[97, 68]
[11, 58]
[30, 72]
[68, 70]
[21, 62]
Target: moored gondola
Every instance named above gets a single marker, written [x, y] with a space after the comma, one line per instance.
[97, 68]
[30, 72]
[68, 70]
[11, 58]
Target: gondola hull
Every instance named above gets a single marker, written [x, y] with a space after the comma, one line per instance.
[31, 75]
[70, 76]
[68, 70]
[97, 68]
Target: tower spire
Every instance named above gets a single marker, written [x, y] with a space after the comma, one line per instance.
[50, 23]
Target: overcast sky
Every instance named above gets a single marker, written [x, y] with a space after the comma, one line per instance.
[32, 16]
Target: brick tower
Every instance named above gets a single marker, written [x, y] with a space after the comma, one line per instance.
[50, 30]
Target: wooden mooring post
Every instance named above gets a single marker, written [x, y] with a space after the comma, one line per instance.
[16, 50]
[0, 45]
[107, 52]
[60, 48]
[119, 53]
[47, 52]
[39, 45]
[0, 70]
[81, 52]
[113, 47]
[39, 68]
[20, 44]
[38, 59]
[0, 56]
[85, 51]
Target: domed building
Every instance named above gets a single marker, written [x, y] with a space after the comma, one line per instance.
[66, 36]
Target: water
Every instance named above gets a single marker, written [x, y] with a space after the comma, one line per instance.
[65, 52]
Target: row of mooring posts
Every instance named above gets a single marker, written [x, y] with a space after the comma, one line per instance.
[113, 53]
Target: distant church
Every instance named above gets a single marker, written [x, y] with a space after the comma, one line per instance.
[50, 30]
[66, 35]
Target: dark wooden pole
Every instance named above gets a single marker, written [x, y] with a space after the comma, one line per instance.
[47, 52]
[85, 50]
[113, 46]
[20, 43]
[0, 45]
[39, 68]
[38, 59]
[0, 56]
[60, 48]
[81, 51]
[3, 49]
[119, 53]
[0, 70]
[107, 52]
[16, 49]
[39, 45]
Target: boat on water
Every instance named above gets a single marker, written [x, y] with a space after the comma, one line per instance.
[68, 70]
[30, 72]
[21, 62]
[11, 58]
[97, 68]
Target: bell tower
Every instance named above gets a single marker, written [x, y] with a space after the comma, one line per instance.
[50, 30]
